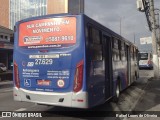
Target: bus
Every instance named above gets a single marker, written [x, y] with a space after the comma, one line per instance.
[145, 60]
[70, 61]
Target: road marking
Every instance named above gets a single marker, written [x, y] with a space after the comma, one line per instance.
[8, 90]
[24, 109]
[6, 83]
[21, 109]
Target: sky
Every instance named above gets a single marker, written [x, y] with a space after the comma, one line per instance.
[110, 12]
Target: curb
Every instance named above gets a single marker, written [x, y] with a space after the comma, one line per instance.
[6, 84]
[131, 111]
[143, 91]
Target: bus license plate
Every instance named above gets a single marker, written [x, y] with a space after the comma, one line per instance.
[44, 82]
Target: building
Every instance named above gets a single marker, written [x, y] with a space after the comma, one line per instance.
[12, 11]
[57, 6]
[6, 35]
[15, 10]
[21, 9]
[4, 13]
[6, 46]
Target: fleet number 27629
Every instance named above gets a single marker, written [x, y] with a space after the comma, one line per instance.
[43, 61]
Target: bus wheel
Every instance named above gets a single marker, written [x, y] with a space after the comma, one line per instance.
[117, 93]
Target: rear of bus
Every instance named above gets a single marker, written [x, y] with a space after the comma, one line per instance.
[145, 60]
[49, 61]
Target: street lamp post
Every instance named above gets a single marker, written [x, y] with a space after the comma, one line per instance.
[120, 25]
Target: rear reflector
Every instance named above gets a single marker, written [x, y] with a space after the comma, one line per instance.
[79, 100]
[16, 76]
[149, 62]
[78, 79]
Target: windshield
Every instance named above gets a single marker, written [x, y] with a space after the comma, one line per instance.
[143, 56]
[47, 33]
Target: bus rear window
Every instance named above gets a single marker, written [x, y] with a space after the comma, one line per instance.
[143, 56]
[48, 32]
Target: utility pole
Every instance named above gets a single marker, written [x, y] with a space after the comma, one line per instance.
[158, 25]
[154, 42]
[81, 6]
[147, 6]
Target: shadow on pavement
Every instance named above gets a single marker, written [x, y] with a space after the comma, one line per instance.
[150, 101]
[126, 103]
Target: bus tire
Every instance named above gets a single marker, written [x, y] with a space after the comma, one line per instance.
[117, 93]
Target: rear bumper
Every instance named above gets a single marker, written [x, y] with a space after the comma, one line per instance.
[69, 99]
[146, 66]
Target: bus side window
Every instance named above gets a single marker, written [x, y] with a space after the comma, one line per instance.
[96, 36]
[151, 56]
[95, 44]
[123, 55]
[135, 54]
[116, 54]
[96, 52]
[123, 51]
[87, 34]
[131, 53]
[120, 49]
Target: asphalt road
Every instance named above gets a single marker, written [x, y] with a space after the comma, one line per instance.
[127, 102]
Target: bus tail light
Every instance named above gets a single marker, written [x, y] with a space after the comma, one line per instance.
[16, 75]
[149, 61]
[78, 79]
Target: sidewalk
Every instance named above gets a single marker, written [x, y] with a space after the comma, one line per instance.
[149, 102]
[6, 84]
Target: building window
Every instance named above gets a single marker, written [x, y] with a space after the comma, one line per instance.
[1, 36]
[21, 9]
[6, 37]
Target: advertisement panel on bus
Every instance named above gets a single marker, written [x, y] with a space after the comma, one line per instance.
[48, 32]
